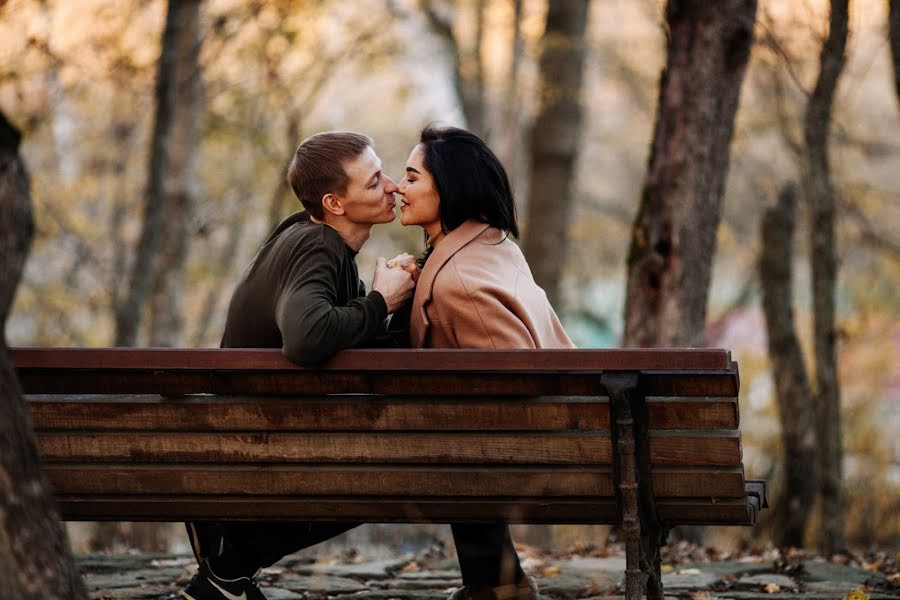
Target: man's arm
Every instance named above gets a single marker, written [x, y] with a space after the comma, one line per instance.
[313, 328]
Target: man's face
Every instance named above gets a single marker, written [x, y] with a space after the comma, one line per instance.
[370, 193]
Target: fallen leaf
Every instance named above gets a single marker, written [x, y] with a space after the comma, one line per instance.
[857, 594]
[772, 588]
[551, 571]
[412, 567]
[666, 568]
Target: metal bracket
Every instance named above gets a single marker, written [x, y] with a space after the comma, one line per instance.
[634, 486]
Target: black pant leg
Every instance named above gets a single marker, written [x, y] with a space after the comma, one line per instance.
[486, 554]
[239, 549]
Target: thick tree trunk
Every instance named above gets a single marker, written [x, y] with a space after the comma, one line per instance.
[467, 66]
[129, 312]
[35, 560]
[555, 140]
[795, 404]
[473, 78]
[820, 195]
[674, 234]
[508, 140]
[166, 301]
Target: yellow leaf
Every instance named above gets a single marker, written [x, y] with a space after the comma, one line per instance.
[551, 571]
[666, 568]
[857, 595]
[772, 588]
[412, 567]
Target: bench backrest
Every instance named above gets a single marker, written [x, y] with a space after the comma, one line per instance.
[379, 435]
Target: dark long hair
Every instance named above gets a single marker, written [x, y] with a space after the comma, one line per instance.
[469, 178]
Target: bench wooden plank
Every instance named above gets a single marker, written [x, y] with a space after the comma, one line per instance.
[672, 448]
[311, 383]
[391, 510]
[304, 447]
[381, 360]
[384, 480]
[228, 413]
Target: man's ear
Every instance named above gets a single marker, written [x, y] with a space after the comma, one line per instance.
[332, 204]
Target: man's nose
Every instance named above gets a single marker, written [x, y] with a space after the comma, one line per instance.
[390, 186]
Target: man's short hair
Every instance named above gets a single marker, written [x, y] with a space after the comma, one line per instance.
[318, 167]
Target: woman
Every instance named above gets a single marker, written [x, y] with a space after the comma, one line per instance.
[475, 290]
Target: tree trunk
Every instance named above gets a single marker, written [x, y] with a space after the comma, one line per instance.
[35, 559]
[894, 35]
[129, 312]
[555, 140]
[467, 67]
[508, 141]
[166, 310]
[820, 195]
[674, 233]
[473, 79]
[795, 405]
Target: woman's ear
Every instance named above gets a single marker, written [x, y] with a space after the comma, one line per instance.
[332, 204]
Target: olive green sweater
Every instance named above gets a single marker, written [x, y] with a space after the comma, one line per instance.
[302, 293]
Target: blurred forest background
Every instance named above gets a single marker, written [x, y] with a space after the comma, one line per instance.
[248, 80]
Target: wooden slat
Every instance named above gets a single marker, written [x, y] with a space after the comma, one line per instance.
[673, 448]
[384, 480]
[349, 413]
[222, 413]
[311, 383]
[390, 510]
[280, 480]
[693, 413]
[381, 360]
[714, 448]
[249, 447]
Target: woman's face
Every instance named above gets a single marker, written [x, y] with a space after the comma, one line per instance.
[420, 203]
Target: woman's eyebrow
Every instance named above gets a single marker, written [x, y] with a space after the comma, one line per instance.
[412, 170]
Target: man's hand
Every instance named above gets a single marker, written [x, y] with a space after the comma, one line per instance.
[407, 262]
[395, 285]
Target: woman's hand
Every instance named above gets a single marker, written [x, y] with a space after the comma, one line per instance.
[407, 262]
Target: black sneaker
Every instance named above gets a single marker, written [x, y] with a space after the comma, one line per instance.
[206, 586]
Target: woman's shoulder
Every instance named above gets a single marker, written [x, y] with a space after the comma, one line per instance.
[491, 261]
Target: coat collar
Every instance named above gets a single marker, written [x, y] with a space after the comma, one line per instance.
[444, 251]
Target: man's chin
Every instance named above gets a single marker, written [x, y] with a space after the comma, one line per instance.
[388, 218]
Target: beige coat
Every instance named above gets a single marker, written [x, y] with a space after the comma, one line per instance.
[476, 291]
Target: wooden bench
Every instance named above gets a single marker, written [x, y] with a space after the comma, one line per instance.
[647, 439]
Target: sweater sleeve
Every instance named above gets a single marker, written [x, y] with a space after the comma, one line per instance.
[313, 328]
[480, 319]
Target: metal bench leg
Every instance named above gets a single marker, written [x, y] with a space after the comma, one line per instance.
[644, 535]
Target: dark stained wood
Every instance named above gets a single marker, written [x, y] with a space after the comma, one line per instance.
[693, 413]
[384, 360]
[271, 447]
[393, 447]
[683, 448]
[353, 480]
[383, 480]
[346, 413]
[223, 413]
[379, 436]
[390, 510]
[313, 383]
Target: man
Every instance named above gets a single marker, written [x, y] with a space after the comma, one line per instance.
[302, 293]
